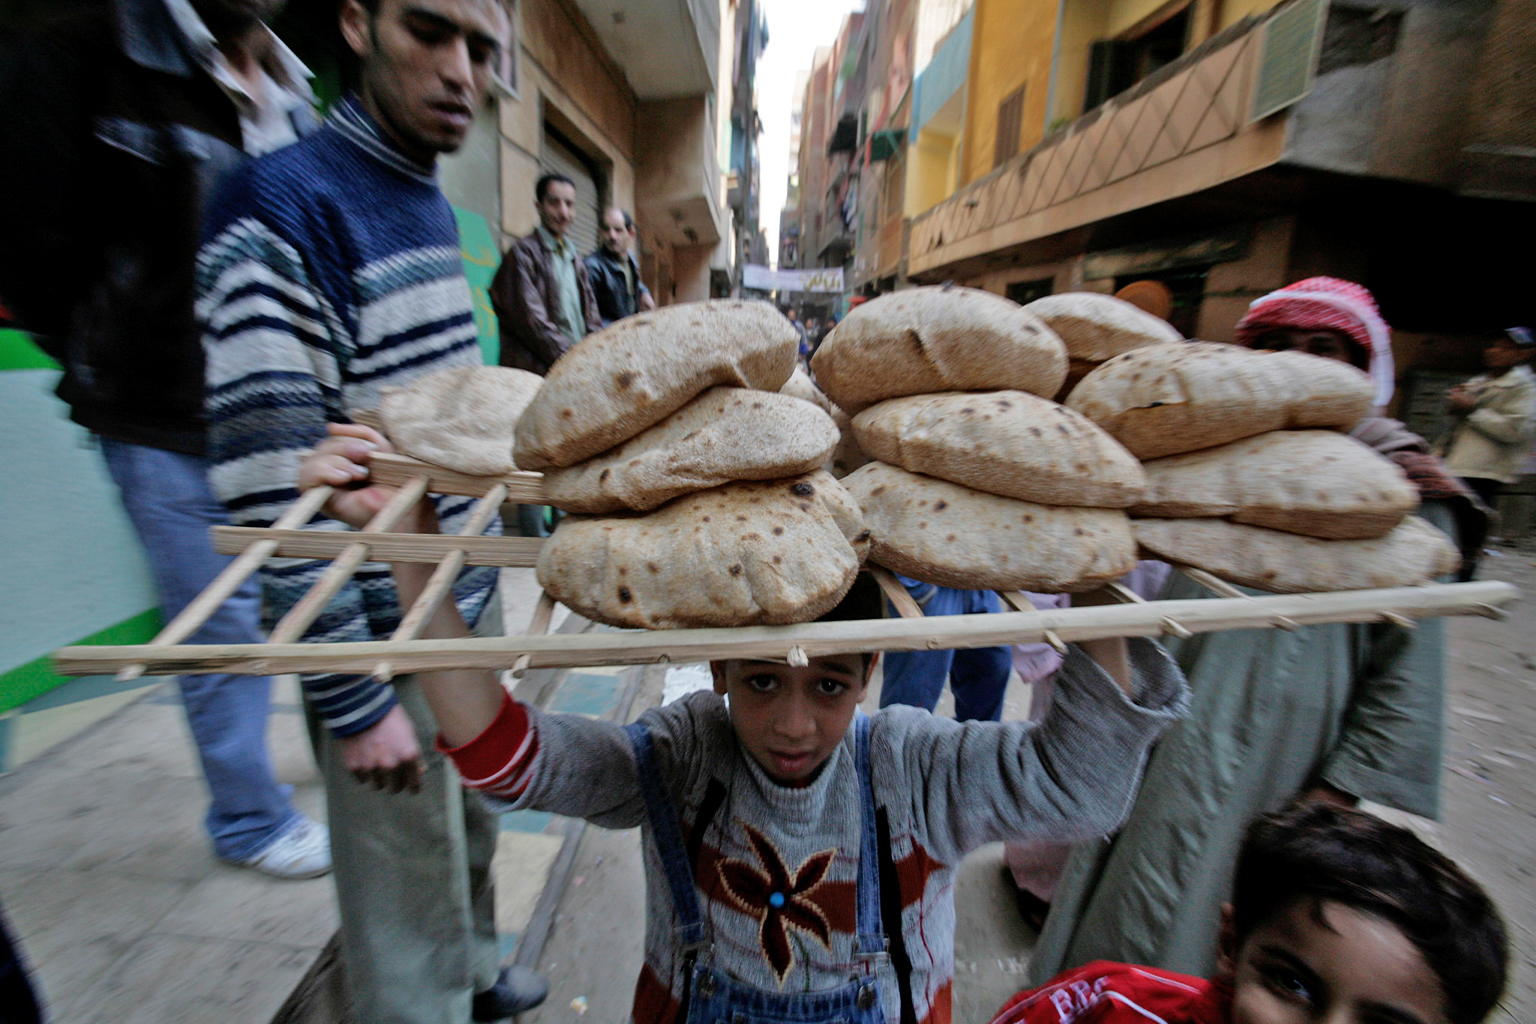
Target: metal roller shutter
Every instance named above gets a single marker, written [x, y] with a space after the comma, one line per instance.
[560, 158]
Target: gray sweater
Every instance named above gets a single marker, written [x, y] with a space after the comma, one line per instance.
[946, 787]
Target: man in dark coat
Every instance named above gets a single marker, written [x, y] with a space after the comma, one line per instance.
[612, 269]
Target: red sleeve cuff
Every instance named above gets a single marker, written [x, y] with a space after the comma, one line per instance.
[494, 757]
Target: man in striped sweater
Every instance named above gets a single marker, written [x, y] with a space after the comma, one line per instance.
[329, 271]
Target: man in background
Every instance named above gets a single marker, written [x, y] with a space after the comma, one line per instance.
[544, 303]
[541, 294]
[1493, 420]
[116, 120]
[612, 269]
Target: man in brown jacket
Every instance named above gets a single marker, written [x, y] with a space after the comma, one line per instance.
[541, 294]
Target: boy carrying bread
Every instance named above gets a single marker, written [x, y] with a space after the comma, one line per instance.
[799, 855]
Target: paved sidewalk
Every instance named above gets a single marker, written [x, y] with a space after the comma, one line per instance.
[121, 910]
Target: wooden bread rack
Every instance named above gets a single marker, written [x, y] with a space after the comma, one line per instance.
[405, 652]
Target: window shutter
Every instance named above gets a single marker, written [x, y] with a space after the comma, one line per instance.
[1103, 60]
[1288, 61]
[1010, 122]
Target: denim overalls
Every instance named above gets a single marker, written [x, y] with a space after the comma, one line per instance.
[712, 996]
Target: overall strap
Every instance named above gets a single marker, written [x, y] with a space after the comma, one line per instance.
[668, 836]
[871, 940]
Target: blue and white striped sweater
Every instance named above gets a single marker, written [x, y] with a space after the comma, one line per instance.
[329, 271]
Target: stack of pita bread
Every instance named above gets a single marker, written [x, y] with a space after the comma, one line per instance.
[1249, 473]
[981, 482]
[697, 489]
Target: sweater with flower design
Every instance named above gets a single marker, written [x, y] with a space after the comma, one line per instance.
[777, 866]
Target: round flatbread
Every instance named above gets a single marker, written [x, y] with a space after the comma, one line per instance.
[461, 418]
[1003, 442]
[725, 434]
[1097, 327]
[923, 340]
[847, 456]
[1313, 482]
[1169, 399]
[637, 372]
[746, 554]
[955, 536]
[1413, 552]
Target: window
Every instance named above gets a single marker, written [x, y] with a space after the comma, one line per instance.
[1010, 122]
[1114, 65]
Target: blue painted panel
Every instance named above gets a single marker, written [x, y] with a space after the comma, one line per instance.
[69, 559]
[944, 75]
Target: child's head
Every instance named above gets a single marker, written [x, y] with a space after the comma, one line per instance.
[791, 719]
[1337, 915]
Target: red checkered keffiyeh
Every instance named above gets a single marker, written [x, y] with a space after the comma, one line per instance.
[1327, 304]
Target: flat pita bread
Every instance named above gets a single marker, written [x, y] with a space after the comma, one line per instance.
[1313, 482]
[847, 456]
[921, 340]
[1003, 442]
[637, 372]
[725, 434]
[1413, 552]
[460, 418]
[1169, 399]
[1097, 327]
[746, 554]
[955, 536]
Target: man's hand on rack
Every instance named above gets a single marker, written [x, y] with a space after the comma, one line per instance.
[341, 461]
[386, 755]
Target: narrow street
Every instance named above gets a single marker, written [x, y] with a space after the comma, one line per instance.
[1488, 825]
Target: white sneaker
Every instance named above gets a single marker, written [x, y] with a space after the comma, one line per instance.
[304, 851]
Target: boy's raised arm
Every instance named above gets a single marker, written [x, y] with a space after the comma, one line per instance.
[464, 701]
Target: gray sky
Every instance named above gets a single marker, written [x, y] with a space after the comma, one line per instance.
[795, 29]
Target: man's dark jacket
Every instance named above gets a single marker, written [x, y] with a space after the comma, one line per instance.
[111, 138]
[527, 304]
[615, 300]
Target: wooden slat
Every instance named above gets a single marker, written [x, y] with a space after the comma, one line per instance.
[514, 552]
[543, 612]
[308, 608]
[1124, 594]
[1017, 600]
[815, 639]
[440, 583]
[369, 418]
[253, 552]
[522, 488]
[1215, 584]
[894, 592]
[1020, 602]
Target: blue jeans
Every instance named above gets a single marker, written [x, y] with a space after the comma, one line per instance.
[166, 495]
[978, 677]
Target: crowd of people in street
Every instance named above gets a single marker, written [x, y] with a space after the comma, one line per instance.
[256, 275]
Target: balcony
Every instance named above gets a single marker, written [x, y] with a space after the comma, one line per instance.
[1295, 89]
[666, 48]
[677, 177]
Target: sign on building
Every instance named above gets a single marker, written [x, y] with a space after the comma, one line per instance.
[811, 279]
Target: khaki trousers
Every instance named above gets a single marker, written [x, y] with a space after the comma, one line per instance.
[413, 880]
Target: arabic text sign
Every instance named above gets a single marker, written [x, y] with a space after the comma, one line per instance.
[811, 279]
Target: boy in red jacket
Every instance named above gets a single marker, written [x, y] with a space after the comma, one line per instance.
[1336, 917]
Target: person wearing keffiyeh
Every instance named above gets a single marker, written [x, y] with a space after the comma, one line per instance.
[1333, 713]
